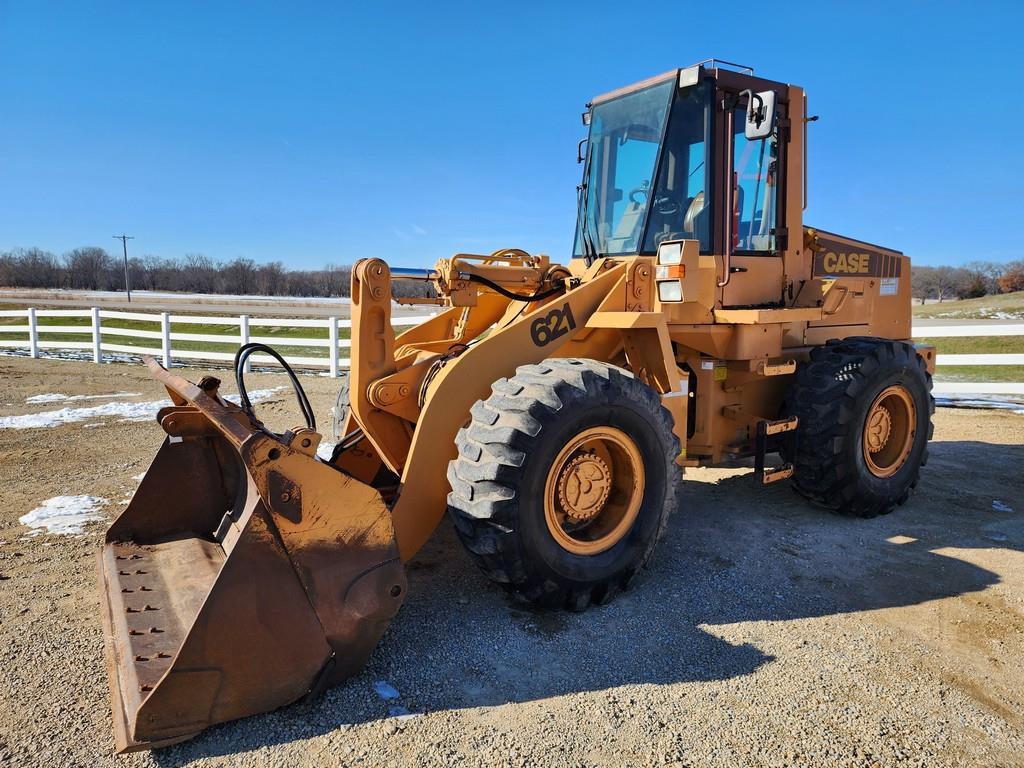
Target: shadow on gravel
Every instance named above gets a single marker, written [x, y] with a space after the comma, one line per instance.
[736, 553]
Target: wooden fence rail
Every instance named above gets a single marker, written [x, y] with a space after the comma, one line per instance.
[163, 333]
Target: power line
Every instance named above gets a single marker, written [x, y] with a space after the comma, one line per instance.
[124, 243]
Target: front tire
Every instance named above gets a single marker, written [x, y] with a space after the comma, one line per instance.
[865, 408]
[564, 481]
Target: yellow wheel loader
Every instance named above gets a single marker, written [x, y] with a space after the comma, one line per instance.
[549, 409]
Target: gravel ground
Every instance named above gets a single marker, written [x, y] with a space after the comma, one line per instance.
[766, 632]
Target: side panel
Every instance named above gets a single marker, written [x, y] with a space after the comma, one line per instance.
[865, 285]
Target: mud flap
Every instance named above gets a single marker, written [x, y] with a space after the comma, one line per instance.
[242, 574]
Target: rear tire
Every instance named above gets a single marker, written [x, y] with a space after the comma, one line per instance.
[574, 435]
[865, 408]
[339, 413]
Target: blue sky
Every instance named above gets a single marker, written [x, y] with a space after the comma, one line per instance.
[324, 132]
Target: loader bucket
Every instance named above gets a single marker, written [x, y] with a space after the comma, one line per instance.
[244, 574]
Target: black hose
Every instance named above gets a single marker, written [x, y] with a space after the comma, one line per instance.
[539, 296]
[351, 440]
[242, 355]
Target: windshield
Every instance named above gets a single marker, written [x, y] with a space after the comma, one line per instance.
[631, 201]
[625, 134]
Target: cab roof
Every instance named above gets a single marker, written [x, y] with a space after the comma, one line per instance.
[726, 72]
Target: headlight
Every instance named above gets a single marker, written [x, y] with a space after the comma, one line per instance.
[670, 290]
[670, 271]
[670, 253]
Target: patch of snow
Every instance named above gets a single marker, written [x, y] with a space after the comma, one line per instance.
[980, 401]
[998, 506]
[124, 412]
[73, 354]
[45, 419]
[64, 514]
[138, 478]
[54, 397]
[255, 396]
[385, 690]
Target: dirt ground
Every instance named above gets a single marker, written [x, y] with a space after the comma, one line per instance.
[765, 632]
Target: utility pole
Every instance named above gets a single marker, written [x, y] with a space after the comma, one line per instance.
[124, 243]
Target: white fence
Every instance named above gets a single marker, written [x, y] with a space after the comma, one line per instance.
[163, 335]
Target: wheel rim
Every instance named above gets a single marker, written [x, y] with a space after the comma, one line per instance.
[889, 431]
[593, 490]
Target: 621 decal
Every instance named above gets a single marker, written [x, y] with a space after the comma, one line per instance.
[553, 325]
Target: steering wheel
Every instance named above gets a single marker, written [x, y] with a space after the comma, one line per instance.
[644, 189]
[666, 205]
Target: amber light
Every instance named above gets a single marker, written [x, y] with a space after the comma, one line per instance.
[670, 271]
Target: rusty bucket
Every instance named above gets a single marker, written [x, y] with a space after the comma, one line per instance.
[245, 574]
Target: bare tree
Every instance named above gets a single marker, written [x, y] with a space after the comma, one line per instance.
[198, 273]
[922, 282]
[983, 278]
[238, 276]
[31, 268]
[89, 268]
[271, 279]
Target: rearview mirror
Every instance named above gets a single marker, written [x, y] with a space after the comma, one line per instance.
[760, 114]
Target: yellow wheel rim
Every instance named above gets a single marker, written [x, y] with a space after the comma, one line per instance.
[889, 431]
[593, 490]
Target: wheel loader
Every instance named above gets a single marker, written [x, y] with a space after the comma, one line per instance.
[548, 409]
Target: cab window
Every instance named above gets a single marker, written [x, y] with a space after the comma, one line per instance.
[755, 186]
[681, 204]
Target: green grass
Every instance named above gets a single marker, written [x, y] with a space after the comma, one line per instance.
[1008, 307]
[994, 373]
[976, 345]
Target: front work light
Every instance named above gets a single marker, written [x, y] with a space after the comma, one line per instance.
[670, 271]
[670, 253]
[670, 290]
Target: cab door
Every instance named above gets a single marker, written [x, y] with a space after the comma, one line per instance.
[752, 185]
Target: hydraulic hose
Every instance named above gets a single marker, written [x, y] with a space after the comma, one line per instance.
[243, 354]
[539, 296]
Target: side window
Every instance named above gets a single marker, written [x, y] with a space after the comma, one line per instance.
[755, 184]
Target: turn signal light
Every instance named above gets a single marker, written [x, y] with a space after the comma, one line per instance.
[670, 272]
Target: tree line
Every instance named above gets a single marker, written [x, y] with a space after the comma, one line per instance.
[971, 281]
[94, 269]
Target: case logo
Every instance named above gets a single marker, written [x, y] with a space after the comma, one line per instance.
[846, 263]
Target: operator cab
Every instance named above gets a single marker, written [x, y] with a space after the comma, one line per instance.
[695, 154]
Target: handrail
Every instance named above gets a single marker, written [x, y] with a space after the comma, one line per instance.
[730, 191]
